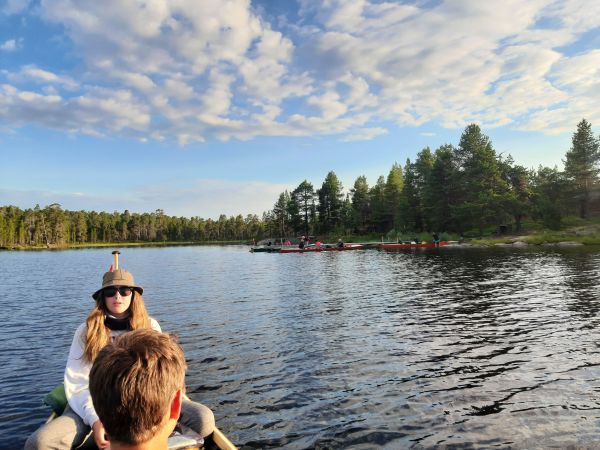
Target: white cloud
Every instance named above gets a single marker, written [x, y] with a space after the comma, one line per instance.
[32, 73]
[578, 79]
[328, 104]
[95, 113]
[364, 134]
[14, 6]
[9, 46]
[216, 70]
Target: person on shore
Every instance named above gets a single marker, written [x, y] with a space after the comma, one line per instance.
[119, 308]
[436, 239]
[301, 244]
[137, 387]
[340, 243]
[318, 244]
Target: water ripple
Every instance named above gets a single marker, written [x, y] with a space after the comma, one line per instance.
[368, 349]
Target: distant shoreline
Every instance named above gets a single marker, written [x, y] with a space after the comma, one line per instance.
[121, 244]
[557, 239]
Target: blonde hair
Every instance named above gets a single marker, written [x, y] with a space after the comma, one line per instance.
[97, 333]
[133, 383]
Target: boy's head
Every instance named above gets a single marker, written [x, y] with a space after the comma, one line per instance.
[136, 385]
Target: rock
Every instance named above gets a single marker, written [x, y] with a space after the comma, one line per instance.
[520, 244]
[465, 245]
[569, 244]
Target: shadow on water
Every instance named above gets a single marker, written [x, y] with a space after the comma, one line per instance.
[369, 349]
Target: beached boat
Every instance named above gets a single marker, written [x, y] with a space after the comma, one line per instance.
[270, 245]
[322, 248]
[179, 440]
[406, 245]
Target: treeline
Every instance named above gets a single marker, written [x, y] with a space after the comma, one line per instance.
[452, 189]
[53, 226]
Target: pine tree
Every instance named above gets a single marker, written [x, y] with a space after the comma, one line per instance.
[361, 204]
[484, 190]
[548, 196]
[393, 196]
[280, 214]
[377, 196]
[409, 205]
[519, 198]
[441, 191]
[330, 202]
[303, 197]
[422, 173]
[581, 165]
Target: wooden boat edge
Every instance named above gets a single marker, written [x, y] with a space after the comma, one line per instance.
[221, 441]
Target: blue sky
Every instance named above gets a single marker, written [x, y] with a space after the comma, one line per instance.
[203, 108]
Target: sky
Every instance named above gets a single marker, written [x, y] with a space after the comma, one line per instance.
[202, 108]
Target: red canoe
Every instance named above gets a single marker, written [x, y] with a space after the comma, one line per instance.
[412, 245]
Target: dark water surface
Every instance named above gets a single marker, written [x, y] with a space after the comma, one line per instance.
[364, 349]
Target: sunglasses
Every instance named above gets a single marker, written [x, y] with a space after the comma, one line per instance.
[112, 291]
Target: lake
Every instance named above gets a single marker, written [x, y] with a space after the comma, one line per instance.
[469, 348]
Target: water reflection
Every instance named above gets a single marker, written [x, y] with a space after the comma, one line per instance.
[580, 276]
[469, 348]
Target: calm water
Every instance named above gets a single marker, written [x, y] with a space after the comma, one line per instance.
[364, 349]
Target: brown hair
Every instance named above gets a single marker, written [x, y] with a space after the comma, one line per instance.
[97, 334]
[133, 382]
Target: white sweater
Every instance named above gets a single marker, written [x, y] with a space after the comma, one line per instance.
[77, 375]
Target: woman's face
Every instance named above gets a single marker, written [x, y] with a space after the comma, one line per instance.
[118, 299]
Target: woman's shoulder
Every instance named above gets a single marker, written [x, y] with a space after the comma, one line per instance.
[154, 324]
[81, 329]
[80, 335]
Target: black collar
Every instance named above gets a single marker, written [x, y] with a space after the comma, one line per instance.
[116, 324]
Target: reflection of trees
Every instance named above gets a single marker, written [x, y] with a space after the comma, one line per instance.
[465, 278]
[485, 294]
[581, 278]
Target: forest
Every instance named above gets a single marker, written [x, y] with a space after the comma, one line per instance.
[467, 189]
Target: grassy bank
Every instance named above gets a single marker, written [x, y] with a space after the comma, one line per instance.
[540, 239]
[585, 232]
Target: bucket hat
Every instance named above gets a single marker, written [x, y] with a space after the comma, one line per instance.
[118, 277]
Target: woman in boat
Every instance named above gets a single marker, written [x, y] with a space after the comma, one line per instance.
[119, 308]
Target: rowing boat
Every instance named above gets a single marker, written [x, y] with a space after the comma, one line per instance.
[406, 245]
[182, 439]
[323, 248]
